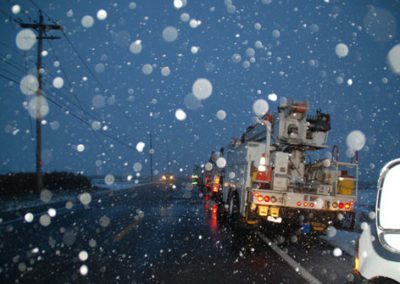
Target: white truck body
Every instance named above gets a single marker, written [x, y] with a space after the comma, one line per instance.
[237, 170]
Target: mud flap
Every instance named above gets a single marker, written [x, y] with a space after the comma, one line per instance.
[318, 227]
[251, 216]
[305, 228]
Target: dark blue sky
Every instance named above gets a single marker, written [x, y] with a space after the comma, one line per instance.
[297, 59]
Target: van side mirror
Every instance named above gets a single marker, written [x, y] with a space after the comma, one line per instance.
[388, 206]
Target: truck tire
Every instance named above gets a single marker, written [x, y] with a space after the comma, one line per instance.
[222, 211]
[233, 211]
[347, 223]
[352, 221]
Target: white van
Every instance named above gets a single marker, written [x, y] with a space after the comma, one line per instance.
[378, 248]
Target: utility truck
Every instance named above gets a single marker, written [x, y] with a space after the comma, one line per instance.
[270, 176]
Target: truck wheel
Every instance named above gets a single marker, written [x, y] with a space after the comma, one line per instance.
[233, 211]
[353, 221]
[222, 211]
[347, 223]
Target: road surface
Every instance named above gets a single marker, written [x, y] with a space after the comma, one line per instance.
[153, 234]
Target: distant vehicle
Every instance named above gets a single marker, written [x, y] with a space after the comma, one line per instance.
[194, 179]
[213, 176]
[378, 248]
[168, 179]
[268, 176]
[197, 176]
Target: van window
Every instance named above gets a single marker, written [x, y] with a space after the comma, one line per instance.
[389, 209]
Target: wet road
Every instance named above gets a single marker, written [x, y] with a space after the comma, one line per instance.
[153, 234]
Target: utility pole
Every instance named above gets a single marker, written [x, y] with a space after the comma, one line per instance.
[41, 29]
[151, 158]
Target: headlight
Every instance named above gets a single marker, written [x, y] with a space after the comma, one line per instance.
[171, 177]
[164, 178]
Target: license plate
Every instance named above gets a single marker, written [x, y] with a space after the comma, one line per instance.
[263, 210]
[274, 211]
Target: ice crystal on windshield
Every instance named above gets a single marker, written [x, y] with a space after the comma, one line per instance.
[87, 21]
[355, 140]
[170, 34]
[101, 14]
[260, 107]
[25, 39]
[341, 50]
[202, 89]
[393, 59]
[180, 114]
[58, 82]
[221, 114]
[29, 85]
[15, 9]
[28, 217]
[85, 198]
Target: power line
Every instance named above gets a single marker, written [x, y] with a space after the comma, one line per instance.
[128, 145]
[80, 57]
[70, 84]
[17, 66]
[121, 142]
[9, 47]
[59, 105]
[49, 85]
[44, 12]
[6, 14]
[76, 97]
[90, 71]
[83, 61]
[86, 113]
[8, 78]
[9, 72]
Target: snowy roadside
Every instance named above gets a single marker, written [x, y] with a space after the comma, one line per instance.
[34, 201]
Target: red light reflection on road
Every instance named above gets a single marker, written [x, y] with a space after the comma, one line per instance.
[213, 221]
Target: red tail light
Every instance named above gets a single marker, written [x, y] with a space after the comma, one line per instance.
[298, 203]
[215, 209]
[266, 198]
[341, 205]
[311, 204]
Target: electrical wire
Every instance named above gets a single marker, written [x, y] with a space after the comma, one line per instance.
[87, 114]
[62, 107]
[14, 65]
[79, 56]
[90, 71]
[48, 96]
